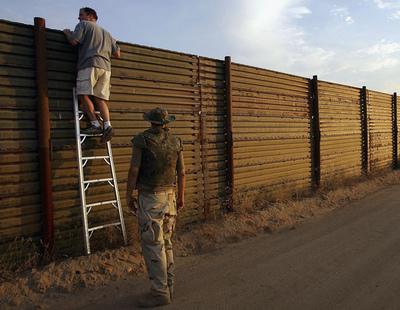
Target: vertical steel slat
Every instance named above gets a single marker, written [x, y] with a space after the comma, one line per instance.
[44, 134]
[203, 145]
[394, 131]
[364, 130]
[315, 134]
[229, 134]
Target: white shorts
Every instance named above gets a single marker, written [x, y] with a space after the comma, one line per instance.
[93, 81]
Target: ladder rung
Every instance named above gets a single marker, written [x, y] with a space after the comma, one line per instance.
[81, 112]
[89, 205]
[97, 181]
[95, 157]
[104, 226]
[86, 135]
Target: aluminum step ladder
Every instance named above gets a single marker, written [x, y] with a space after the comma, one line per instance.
[84, 184]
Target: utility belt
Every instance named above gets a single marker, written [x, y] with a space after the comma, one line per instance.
[156, 190]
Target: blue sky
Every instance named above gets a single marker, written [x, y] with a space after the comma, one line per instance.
[350, 42]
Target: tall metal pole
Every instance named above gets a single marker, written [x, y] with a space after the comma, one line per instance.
[395, 131]
[229, 134]
[364, 131]
[44, 134]
[315, 134]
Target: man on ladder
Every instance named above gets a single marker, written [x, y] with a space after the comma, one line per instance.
[96, 46]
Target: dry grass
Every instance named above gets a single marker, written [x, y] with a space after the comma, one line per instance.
[254, 213]
[21, 254]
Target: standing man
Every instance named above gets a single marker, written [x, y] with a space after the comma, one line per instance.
[156, 166]
[96, 46]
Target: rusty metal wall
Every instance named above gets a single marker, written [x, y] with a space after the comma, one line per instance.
[142, 79]
[379, 106]
[213, 133]
[20, 209]
[271, 129]
[340, 126]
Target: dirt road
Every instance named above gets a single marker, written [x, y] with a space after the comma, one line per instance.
[348, 259]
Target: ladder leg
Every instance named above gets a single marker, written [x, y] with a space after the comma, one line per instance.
[114, 176]
[80, 165]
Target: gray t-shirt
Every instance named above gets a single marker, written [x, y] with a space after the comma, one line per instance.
[96, 46]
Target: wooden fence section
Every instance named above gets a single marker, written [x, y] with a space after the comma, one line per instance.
[379, 106]
[276, 143]
[271, 129]
[20, 204]
[340, 125]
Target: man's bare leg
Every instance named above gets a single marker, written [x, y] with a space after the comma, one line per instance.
[105, 114]
[103, 108]
[88, 107]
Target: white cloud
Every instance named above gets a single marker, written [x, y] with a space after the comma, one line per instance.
[395, 15]
[389, 5]
[383, 4]
[342, 13]
[382, 48]
[268, 35]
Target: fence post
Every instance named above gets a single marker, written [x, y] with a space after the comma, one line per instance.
[44, 134]
[394, 130]
[364, 130]
[229, 135]
[203, 144]
[315, 134]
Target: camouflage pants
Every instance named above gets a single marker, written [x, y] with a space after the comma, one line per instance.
[157, 217]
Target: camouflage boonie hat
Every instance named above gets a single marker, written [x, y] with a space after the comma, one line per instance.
[158, 116]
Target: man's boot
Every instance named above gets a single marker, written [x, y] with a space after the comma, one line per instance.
[150, 300]
[171, 292]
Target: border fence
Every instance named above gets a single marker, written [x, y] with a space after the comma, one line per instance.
[244, 129]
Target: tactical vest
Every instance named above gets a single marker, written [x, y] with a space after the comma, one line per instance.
[159, 158]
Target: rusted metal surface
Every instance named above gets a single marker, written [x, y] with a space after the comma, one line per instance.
[364, 130]
[271, 130]
[44, 134]
[229, 132]
[395, 131]
[20, 202]
[203, 145]
[243, 128]
[380, 130]
[212, 79]
[315, 134]
[340, 125]
[142, 79]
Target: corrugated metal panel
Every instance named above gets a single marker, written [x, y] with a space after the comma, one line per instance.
[397, 113]
[143, 79]
[19, 179]
[213, 111]
[379, 107]
[271, 129]
[340, 126]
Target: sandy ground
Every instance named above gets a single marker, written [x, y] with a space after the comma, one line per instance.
[345, 260]
[214, 275]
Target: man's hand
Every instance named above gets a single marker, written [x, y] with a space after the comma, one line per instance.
[68, 34]
[132, 202]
